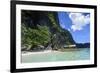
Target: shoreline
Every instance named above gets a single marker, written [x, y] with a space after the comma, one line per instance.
[48, 51]
[40, 52]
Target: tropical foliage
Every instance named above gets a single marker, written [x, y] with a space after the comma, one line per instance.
[43, 30]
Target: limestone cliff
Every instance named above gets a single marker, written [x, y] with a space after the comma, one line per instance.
[40, 29]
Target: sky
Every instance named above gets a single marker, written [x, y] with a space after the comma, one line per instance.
[78, 24]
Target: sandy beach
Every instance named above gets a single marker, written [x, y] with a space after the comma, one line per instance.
[49, 51]
[42, 52]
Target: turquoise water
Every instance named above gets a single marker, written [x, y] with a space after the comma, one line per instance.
[70, 55]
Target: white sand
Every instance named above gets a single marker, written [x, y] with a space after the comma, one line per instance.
[42, 52]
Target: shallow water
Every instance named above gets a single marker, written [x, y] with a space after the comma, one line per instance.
[70, 55]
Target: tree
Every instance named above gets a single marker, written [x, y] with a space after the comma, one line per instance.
[34, 37]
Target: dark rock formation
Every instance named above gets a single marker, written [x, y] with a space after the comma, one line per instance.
[58, 36]
[83, 45]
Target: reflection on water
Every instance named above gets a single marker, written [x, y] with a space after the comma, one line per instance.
[79, 54]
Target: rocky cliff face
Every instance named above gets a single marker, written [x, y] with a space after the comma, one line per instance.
[42, 29]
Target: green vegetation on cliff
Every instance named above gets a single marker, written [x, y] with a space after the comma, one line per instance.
[41, 30]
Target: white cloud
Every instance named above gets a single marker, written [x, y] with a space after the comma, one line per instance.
[79, 20]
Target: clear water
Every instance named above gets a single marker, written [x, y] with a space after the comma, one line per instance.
[79, 54]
